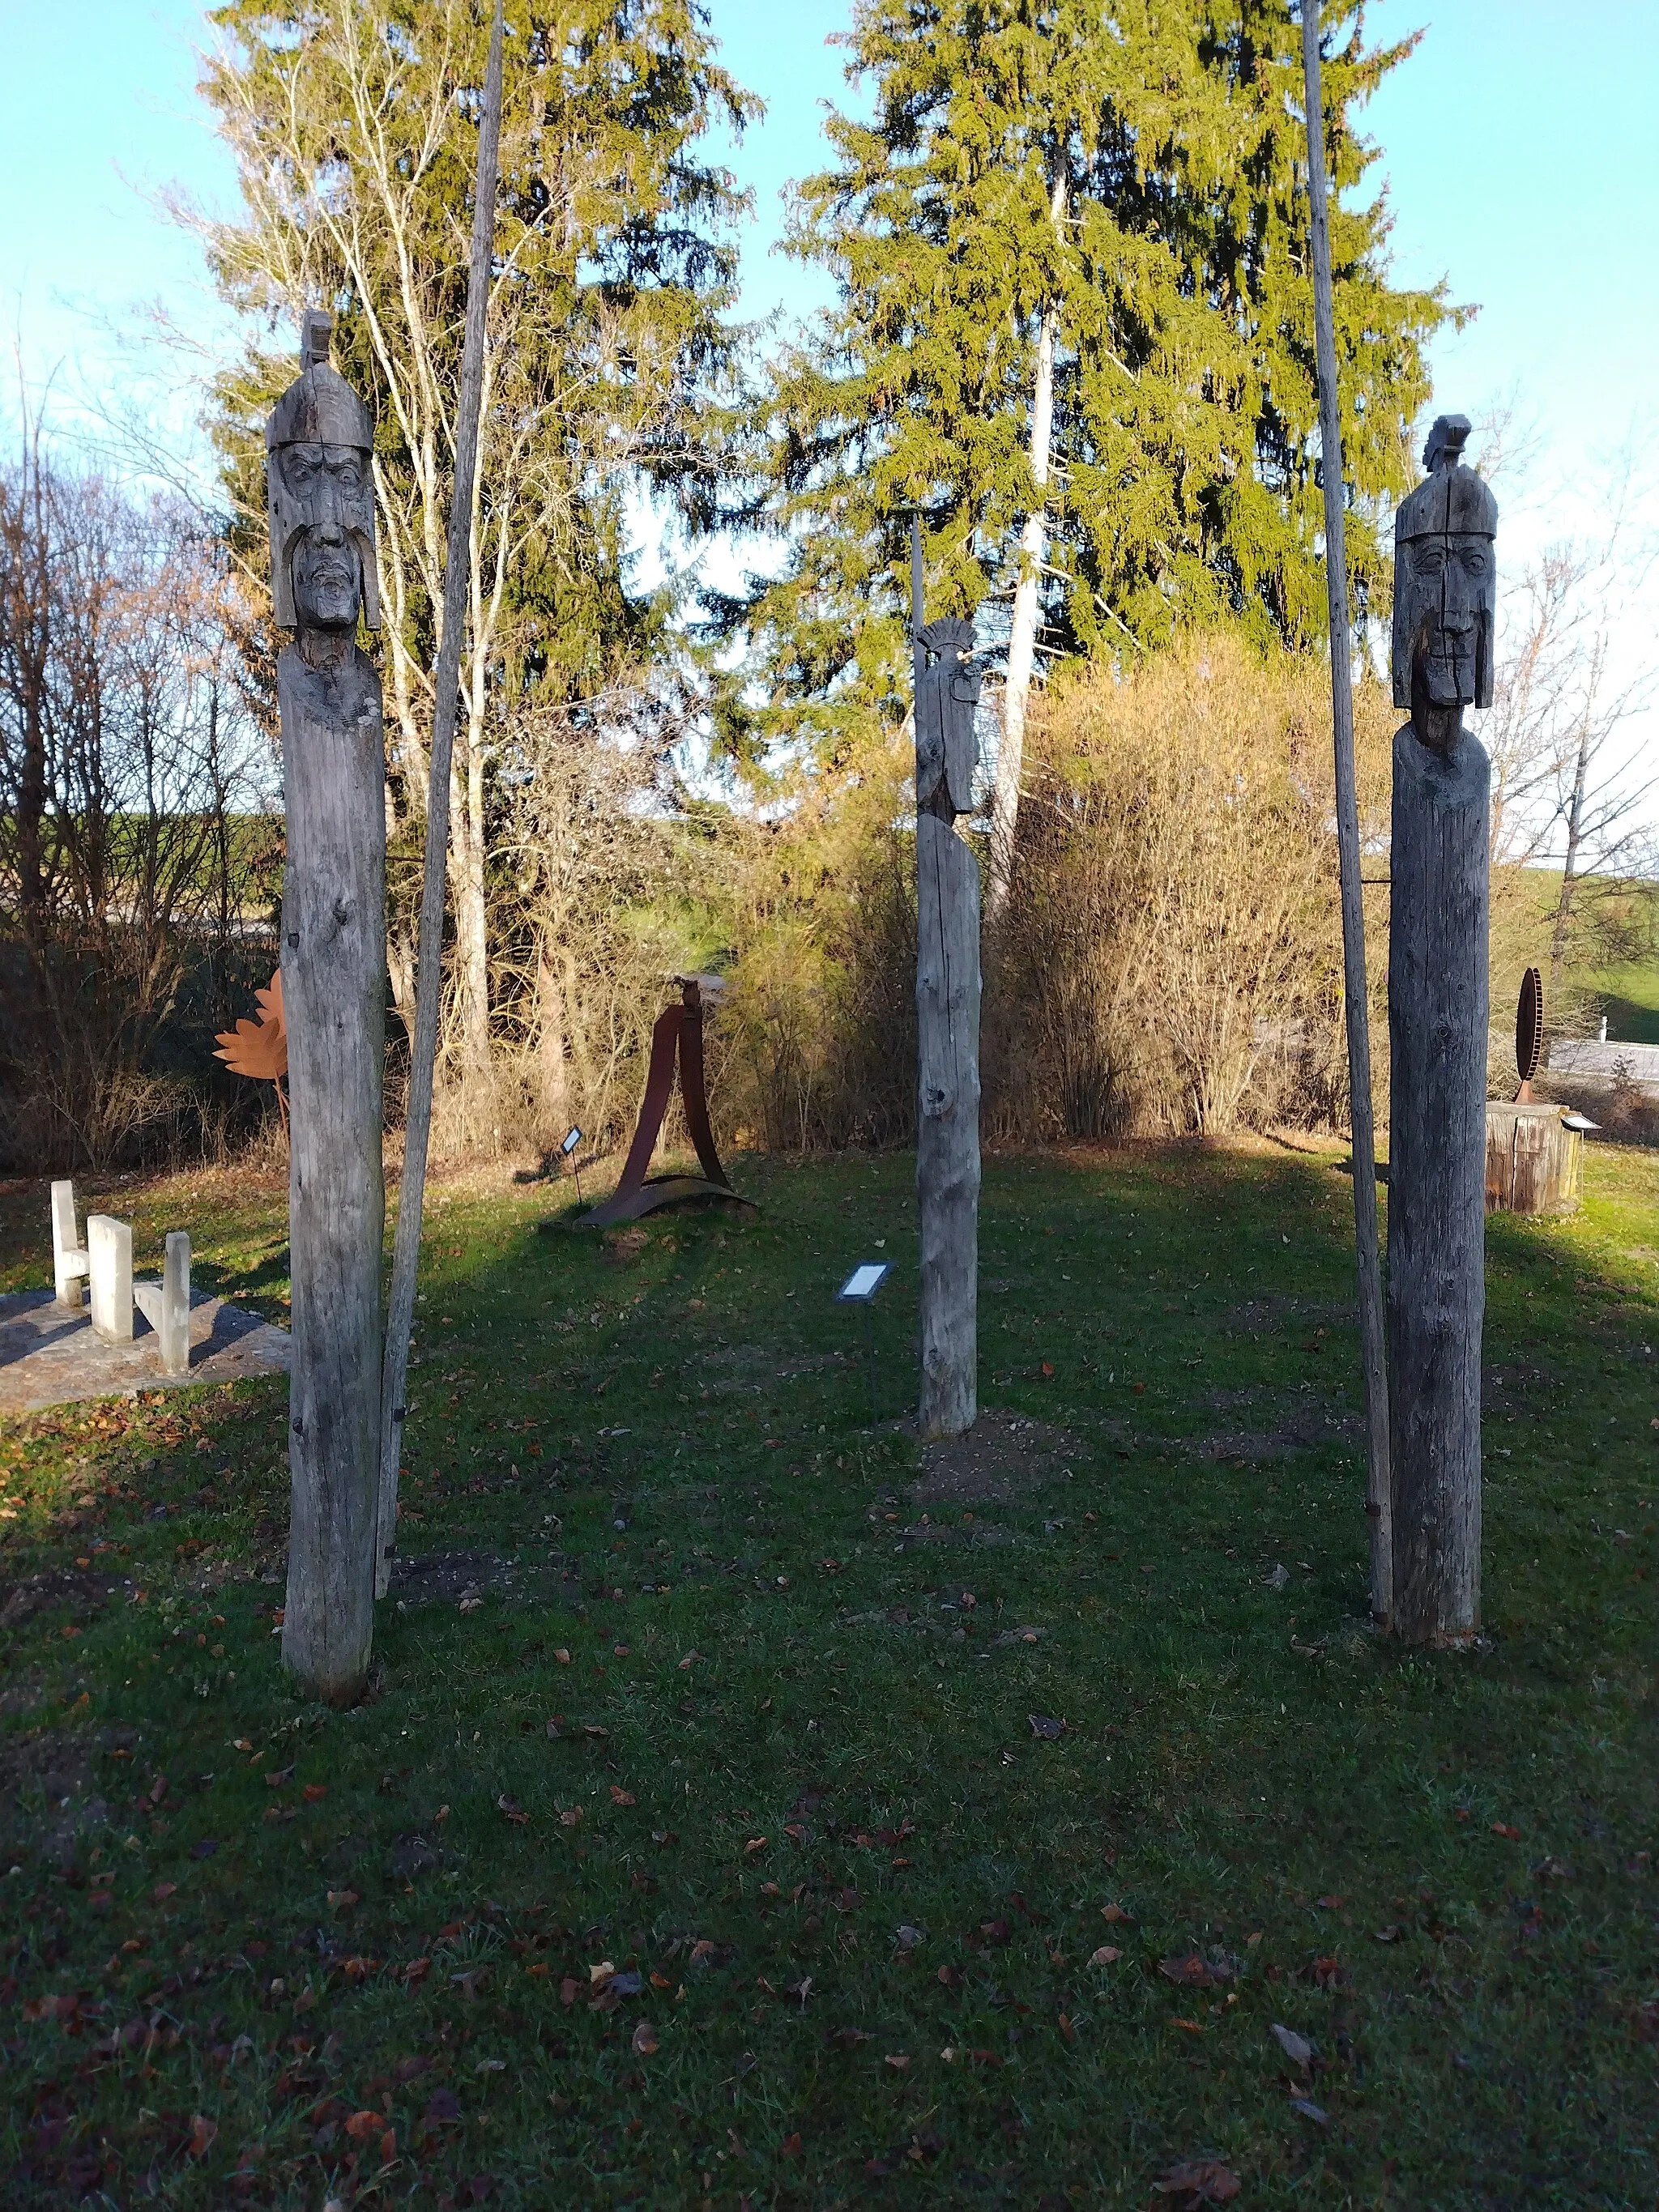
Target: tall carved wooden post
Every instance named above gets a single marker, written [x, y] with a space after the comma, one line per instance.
[1444, 603]
[321, 505]
[947, 1028]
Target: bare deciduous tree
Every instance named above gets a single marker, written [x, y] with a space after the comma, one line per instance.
[130, 790]
[352, 135]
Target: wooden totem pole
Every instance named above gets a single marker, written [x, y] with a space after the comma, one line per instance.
[947, 1026]
[321, 505]
[1444, 603]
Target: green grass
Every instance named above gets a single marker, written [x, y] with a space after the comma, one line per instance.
[1632, 1001]
[210, 1978]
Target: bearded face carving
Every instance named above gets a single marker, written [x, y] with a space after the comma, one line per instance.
[321, 496]
[1445, 588]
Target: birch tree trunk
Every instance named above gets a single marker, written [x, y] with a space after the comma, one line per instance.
[1022, 636]
[549, 1047]
[1559, 937]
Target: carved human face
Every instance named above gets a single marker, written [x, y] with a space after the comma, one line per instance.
[328, 578]
[322, 506]
[1451, 594]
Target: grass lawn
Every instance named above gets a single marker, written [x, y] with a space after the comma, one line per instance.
[1632, 1001]
[745, 1816]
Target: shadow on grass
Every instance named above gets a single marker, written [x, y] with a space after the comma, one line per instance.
[710, 1771]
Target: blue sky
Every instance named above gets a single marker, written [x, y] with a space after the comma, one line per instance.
[1519, 146]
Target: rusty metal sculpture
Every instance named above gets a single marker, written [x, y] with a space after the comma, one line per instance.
[258, 1050]
[676, 1037]
[1528, 1033]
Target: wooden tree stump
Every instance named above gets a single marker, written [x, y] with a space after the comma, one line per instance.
[1535, 1162]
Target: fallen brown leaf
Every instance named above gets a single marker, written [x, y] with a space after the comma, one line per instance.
[1107, 1955]
[645, 2039]
[1198, 2182]
[1194, 1972]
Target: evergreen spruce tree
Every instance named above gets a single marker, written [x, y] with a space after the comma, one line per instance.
[1111, 205]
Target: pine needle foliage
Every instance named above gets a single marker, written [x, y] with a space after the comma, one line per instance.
[354, 127]
[1142, 172]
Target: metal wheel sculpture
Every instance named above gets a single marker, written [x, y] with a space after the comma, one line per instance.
[1528, 1033]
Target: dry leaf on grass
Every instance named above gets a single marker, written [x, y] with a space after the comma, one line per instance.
[1194, 1972]
[1199, 2181]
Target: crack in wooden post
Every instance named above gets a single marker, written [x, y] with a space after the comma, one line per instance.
[947, 1026]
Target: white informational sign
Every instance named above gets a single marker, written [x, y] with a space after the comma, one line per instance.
[573, 1138]
[863, 1282]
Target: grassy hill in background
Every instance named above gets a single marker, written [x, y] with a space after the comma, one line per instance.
[1613, 964]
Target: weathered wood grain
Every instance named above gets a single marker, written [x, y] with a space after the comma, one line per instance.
[947, 1124]
[334, 987]
[1437, 1016]
[1534, 1162]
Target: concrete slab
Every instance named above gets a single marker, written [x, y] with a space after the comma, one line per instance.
[49, 1357]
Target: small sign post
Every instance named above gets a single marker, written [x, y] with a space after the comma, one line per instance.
[572, 1137]
[859, 1289]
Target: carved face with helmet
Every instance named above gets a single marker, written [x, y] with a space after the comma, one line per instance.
[321, 496]
[1445, 587]
[947, 746]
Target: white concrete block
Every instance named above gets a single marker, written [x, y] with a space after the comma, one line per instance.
[109, 1252]
[175, 1304]
[69, 1254]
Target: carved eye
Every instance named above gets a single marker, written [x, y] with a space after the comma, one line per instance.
[1474, 561]
[1429, 558]
[347, 476]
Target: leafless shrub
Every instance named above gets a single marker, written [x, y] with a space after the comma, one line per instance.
[1172, 955]
[133, 854]
[817, 1040]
